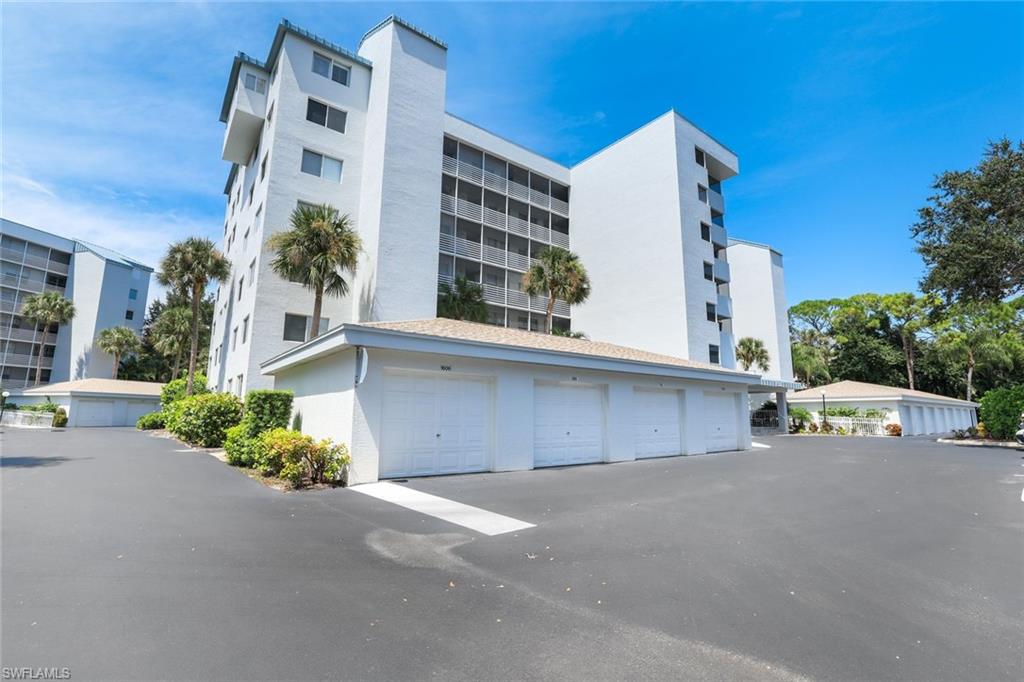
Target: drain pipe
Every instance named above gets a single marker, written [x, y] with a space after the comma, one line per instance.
[362, 364]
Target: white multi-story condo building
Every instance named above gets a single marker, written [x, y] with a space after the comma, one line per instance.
[108, 290]
[435, 197]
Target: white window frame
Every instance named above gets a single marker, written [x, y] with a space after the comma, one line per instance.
[332, 65]
[259, 84]
[341, 162]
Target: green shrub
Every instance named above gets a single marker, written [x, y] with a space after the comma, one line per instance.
[174, 390]
[842, 411]
[151, 420]
[1000, 411]
[239, 447]
[266, 410]
[204, 419]
[48, 406]
[60, 418]
[298, 458]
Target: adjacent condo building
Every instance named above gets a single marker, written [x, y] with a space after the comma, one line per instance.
[435, 197]
[107, 289]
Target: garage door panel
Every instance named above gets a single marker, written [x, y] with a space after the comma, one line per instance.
[568, 424]
[720, 419]
[434, 424]
[656, 430]
[94, 413]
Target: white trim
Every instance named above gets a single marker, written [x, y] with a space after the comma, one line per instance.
[937, 400]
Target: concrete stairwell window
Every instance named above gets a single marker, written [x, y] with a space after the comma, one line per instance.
[713, 355]
[328, 68]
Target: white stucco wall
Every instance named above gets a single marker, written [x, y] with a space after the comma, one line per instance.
[322, 390]
[915, 417]
[759, 303]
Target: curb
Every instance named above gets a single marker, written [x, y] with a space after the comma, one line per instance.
[981, 444]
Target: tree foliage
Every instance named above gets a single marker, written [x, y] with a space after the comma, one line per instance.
[320, 244]
[751, 352]
[119, 342]
[462, 300]
[971, 233]
[44, 310]
[557, 274]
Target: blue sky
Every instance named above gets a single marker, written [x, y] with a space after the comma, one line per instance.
[841, 114]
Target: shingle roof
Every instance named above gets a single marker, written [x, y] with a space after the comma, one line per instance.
[112, 386]
[487, 333]
[860, 389]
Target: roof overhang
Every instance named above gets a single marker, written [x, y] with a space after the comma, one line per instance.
[41, 392]
[768, 384]
[352, 335]
[912, 399]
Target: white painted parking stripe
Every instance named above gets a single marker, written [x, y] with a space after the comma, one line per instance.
[474, 518]
[760, 445]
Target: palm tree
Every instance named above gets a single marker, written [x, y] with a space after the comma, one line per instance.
[558, 273]
[171, 333]
[751, 352]
[118, 341]
[319, 244]
[809, 364]
[44, 310]
[188, 268]
[462, 301]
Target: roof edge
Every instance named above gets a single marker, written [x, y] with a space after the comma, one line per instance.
[395, 19]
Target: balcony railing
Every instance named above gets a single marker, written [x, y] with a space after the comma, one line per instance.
[560, 206]
[469, 210]
[54, 287]
[445, 279]
[28, 335]
[54, 266]
[449, 165]
[718, 235]
[716, 201]
[518, 226]
[518, 261]
[447, 243]
[560, 239]
[724, 306]
[518, 299]
[26, 360]
[518, 191]
[494, 294]
[464, 247]
[12, 255]
[447, 203]
[494, 218]
[721, 271]
[539, 198]
[30, 285]
[37, 261]
[540, 232]
[494, 256]
[495, 182]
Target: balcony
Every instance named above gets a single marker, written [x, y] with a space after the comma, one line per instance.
[57, 266]
[716, 201]
[721, 271]
[447, 243]
[517, 191]
[468, 210]
[12, 255]
[518, 261]
[559, 206]
[494, 218]
[464, 247]
[718, 235]
[560, 239]
[724, 307]
[28, 335]
[494, 294]
[540, 232]
[248, 111]
[448, 203]
[518, 226]
[26, 360]
[494, 256]
[518, 299]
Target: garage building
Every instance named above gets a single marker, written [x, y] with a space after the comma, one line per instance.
[918, 413]
[97, 402]
[440, 396]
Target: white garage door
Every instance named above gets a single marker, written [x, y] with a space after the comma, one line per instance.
[137, 408]
[720, 419]
[929, 419]
[434, 424]
[919, 425]
[94, 413]
[568, 424]
[656, 423]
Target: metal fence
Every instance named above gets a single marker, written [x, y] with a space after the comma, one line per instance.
[767, 419]
[858, 426]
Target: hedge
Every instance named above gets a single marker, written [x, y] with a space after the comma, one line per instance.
[174, 390]
[204, 419]
[1000, 411]
[266, 410]
[60, 418]
[151, 420]
[298, 458]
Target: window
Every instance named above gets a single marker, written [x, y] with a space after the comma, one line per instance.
[251, 188]
[129, 314]
[297, 327]
[270, 112]
[234, 338]
[328, 68]
[252, 271]
[245, 328]
[712, 313]
[713, 354]
[240, 379]
[255, 83]
[133, 294]
[263, 168]
[698, 156]
[702, 193]
[709, 272]
[245, 239]
[294, 327]
[241, 283]
[321, 166]
[323, 115]
[705, 232]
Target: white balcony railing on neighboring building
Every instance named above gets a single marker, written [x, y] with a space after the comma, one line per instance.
[449, 165]
[447, 243]
[518, 191]
[26, 360]
[540, 232]
[469, 210]
[518, 261]
[718, 235]
[471, 173]
[28, 335]
[495, 182]
[447, 203]
[539, 198]
[721, 271]
[494, 218]
[518, 226]
[445, 279]
[494, 256]
[464, 247]
[494, 294]
[560, 206]
[561, 308]
[518, 299]
[560, 239]
[38, 261]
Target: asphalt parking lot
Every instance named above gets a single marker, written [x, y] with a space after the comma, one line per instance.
[127, 556]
